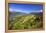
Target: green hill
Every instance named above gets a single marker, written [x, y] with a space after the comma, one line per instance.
[25, 22]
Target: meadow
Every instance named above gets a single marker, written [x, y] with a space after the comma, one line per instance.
[27, 21]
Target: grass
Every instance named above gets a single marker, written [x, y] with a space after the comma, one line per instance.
[25, 22]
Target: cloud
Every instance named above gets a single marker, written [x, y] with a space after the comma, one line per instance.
[18, 10]
[24, 11]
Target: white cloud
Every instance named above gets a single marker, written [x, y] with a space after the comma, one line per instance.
[18, 10]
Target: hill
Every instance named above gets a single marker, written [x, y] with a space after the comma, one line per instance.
[16, 13]
[37, 13]
[25, 22]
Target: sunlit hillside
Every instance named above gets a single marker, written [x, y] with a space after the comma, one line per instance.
[28, 21]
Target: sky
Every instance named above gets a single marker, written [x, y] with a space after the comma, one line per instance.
[25, 8]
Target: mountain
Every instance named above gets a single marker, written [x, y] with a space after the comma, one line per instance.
[36, 13]
[16, 13]
[27, 21]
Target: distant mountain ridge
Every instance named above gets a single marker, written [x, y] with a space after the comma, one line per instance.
[36, 13]
[16, 13]
[21, 13]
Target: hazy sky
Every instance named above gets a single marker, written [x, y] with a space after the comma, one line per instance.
[26, 8]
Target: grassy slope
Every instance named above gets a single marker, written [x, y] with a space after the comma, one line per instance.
[25, 22]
